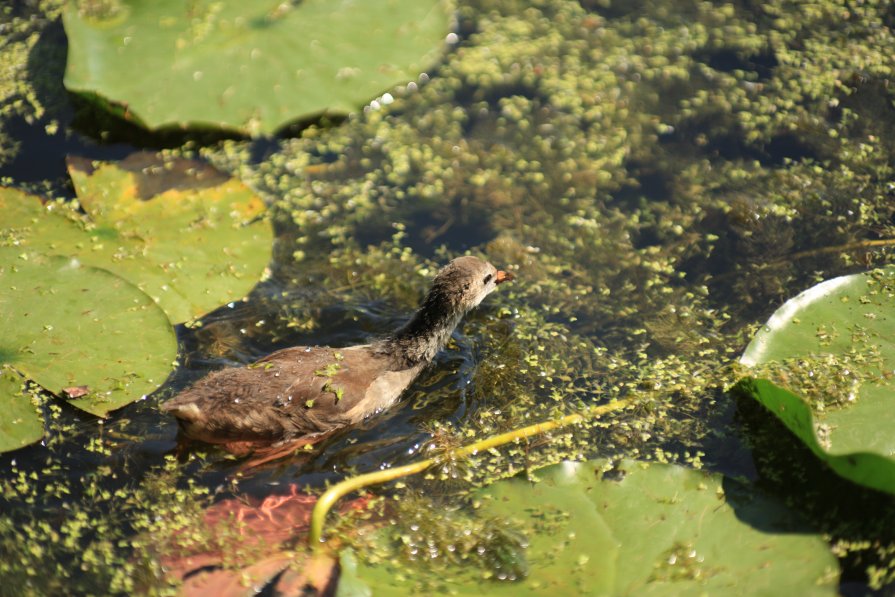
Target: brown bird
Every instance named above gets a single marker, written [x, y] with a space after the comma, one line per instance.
[305, 392]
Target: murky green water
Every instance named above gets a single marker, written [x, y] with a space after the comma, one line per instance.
[660, 176]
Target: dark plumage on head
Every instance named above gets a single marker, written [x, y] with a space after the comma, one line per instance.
[462, 284]
[458, 287]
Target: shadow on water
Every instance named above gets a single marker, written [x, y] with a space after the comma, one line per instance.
[814, 498]
[44, 147]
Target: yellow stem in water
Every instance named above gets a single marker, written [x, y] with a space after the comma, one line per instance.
[339, 490]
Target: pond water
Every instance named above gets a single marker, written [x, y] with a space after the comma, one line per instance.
[659, 175]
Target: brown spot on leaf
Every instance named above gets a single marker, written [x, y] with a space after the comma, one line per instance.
[75, 392]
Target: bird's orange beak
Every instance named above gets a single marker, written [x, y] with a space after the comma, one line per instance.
[503, 276]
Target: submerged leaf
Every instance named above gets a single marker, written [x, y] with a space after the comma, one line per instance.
[260, 532]
[659, 530]
[249, 66]
[828, 356]
[236, 583]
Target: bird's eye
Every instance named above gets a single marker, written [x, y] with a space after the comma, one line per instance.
[488, 278]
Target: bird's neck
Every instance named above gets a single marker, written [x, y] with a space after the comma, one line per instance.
[420, 339]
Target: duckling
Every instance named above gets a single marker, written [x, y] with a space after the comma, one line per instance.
[305, 392]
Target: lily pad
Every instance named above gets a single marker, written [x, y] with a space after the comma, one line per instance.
[81, 331]
[184, 233]
[833, 353]
[21, 423]
[248, 66]
[647, 530]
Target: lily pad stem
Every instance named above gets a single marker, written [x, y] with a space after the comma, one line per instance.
[343, 488]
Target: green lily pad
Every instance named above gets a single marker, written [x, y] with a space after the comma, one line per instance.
[82, 332]
[21, 423]
[249, 66]
[659, 530]
[824, 364]
[187, 235]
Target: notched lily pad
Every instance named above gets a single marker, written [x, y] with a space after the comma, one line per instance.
[660, 530]
[823, 365]
[67, 325]
[250, 66]
[190, 238]
[187, 235]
